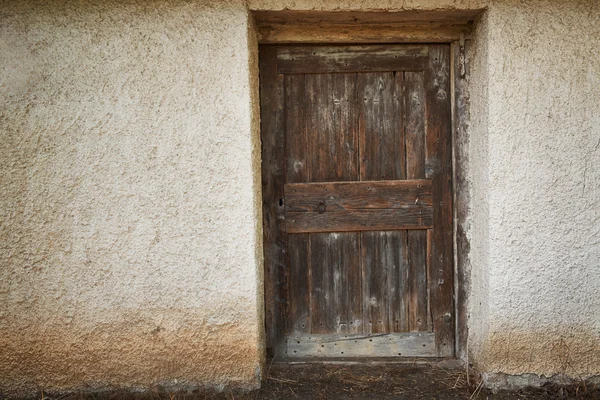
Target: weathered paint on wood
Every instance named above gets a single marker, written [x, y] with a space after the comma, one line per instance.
[330, 59]
[377, 345]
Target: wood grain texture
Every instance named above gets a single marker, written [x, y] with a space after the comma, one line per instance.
[298, 253]
[273, 178]
[337, 59]
[416, 217]
[332, 155]
[339, 196]
[439, 169]
[414, 102]
[334, 259]
[461, 194]
[347, 346]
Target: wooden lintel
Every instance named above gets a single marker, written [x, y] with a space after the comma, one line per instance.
[361, 33]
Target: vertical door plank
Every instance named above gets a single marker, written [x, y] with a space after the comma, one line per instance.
[382, 157]
[384, 257]
[380, 126]
[331, 127]
[273, 176]
[298, 244]
[414, 101]
[333, 257]
[333, 156]
[439, 168]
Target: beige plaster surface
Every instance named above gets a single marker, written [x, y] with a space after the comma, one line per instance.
[130, 234]
[130, 247]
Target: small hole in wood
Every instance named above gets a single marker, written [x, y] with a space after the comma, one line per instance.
[322, 345]
[280, 202]
[370, 340]
[298, 342]
[342, 352]
[423, 345]
[295, 351]
[399, 354]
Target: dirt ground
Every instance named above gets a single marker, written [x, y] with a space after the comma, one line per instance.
[357, 382]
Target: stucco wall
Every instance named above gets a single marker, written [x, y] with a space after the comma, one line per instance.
[130, 222]
[129, 198]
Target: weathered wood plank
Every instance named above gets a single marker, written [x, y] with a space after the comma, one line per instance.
[460, 124]
[339, 196]
[439, 168]
[383, 256]
[319, 33]
[333, 256]
[273, 176]
[299, 320]
[343, 346]
[417, 278]
[416, 217]
[360, 18]
[333, 156]
[380, 127]
[414, 101]
[338, 59]
[298, 245]
[331, 127]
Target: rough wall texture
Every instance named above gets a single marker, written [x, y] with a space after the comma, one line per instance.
[543, 188]
[129, 201]
[130, 226]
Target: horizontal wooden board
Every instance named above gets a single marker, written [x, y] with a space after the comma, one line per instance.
[360, 18]
[416, 217]
[331, 59]
[408, 344]
[319, 33]
[339, 196]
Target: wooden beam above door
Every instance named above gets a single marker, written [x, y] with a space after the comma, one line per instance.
[280, 27]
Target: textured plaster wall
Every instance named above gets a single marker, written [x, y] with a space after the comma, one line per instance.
[130, 247]
[543, 188]
[130, 222]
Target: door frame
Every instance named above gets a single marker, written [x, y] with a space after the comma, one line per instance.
[451, 27]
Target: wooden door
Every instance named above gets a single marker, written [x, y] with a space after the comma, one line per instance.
[357, 200]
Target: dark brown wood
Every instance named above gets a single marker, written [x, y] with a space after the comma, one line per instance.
[337, 59]
[368, 257]
[339, 196]
[414, 101]
[417, 217]
[298, 245]
[382, 157]
[332, 155]
[273, 178]
[362, 18]
[331, 128]
[334, 257]
[439, 168]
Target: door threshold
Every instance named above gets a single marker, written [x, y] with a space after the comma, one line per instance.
[448, 363]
